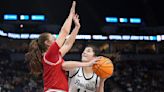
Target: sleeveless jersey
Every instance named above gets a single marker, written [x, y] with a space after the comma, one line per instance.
[53, 75]
[79, 83]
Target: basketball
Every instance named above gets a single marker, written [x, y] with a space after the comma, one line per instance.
[103, 68]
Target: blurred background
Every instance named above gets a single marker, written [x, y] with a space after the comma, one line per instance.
[130, 32]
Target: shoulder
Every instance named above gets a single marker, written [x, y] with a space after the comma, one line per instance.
[73, 72]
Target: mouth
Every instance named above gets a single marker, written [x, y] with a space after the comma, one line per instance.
[84, 55]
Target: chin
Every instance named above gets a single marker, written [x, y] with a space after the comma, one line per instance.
[84, 60]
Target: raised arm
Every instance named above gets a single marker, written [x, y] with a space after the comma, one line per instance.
[69, 42]
[65, 30]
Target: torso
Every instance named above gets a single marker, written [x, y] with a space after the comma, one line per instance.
[80, 83]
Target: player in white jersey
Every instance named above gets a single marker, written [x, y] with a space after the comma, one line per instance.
[83, 79]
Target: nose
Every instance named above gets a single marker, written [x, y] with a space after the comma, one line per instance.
[83, 53]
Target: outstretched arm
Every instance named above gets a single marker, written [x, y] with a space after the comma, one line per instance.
[69, 65]
[69, 42]
[65, 30]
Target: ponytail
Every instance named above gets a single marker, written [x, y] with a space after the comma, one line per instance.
[34, 58]
[34, 55]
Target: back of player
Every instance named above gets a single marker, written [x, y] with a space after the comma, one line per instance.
[79, 83]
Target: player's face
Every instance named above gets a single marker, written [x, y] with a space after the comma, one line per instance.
[88, 54]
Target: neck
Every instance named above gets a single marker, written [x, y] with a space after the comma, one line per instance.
[88, 69]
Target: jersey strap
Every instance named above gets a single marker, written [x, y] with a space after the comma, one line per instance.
[74, 74]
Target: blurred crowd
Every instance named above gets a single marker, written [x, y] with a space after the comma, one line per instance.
[137, 76]
[15, 77]
[129, 75]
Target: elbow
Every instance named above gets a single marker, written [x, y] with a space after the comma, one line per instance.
[64, 67]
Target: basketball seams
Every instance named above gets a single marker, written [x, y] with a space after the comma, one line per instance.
[100, 65]
[99, 71]
[103, 70]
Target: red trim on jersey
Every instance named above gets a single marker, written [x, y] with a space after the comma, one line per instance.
[53, 75]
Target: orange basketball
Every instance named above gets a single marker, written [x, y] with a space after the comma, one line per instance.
[103, 68]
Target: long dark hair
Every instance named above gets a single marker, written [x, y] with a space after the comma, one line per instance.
[96, 50]
[35, 54]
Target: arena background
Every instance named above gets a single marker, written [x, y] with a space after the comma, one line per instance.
[137, 49]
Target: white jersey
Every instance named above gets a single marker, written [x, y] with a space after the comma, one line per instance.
[79, 83]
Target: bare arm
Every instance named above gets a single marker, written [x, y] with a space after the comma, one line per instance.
[69, 42]
[101, 85]
[100, 88]
[69, 65]
[65, 30]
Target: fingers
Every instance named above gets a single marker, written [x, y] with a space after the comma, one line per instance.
[96, 59]
[74, 4]
[100, 56]
[73, 7]
[76, 16]
[76, 19]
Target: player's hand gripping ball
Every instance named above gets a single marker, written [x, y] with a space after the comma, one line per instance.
[103, 67]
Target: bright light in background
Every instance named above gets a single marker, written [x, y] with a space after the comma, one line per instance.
[111, 19]
[55, 35]
[25, 36]
[159, 38]
[135, 37]
[153, 38]
[34, 36]
[21, 25]
[146, 37]
[135, 20]
[99, 37]
[115, 37]
[24, 17]
[87, 37]
[126, 37]
[162, 37]
[141, 37]
[123, 20]
[10, 17]
[38, 17]
[2, 33]
[14, 35]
